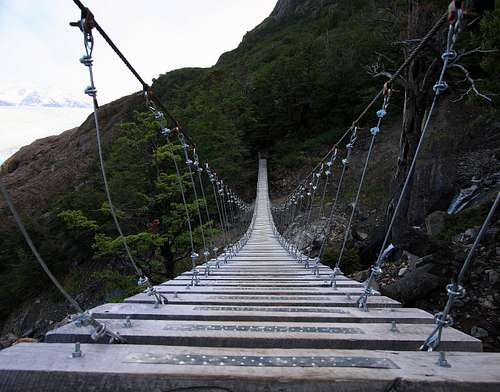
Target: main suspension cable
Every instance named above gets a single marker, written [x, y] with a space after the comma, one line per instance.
[86, 60]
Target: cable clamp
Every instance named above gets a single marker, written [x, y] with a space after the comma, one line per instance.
[443, 321]
[91, 91]
[440, 87]
[143, 281]
[377, 271]
[82, 319]
[86, 60]
[449, 55]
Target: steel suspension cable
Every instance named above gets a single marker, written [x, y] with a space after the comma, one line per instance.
[213, 180]
[189, 164]
[305, 219]
[455, 290]
[328, 174]
[408, 61]
[166, 132]
[84, 318]
[198, 170]
[374, 131]
[439, 88]
[91, 91]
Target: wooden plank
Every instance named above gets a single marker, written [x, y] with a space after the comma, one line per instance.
[262, 313]
[272, 335]
[131, 368]
[257, 283]
[256, 290]
[266, 300]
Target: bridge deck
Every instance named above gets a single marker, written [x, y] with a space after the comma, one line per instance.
[260, 310]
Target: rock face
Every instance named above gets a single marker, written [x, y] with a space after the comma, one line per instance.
[48, 167]
[289, 8]
[412, 286]
[434, 223]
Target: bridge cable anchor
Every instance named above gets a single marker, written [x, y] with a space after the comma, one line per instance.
[77, 353]
[442, 361]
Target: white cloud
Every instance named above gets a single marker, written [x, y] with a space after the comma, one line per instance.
[40, 50]
[39, 47]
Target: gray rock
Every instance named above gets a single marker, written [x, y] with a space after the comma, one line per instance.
[492, 276]
[361, 276]
[412, 286]
[470, 234]
[434, 223]
[7, 340]
[402, 271]
[479, 332]
[360, 235]
[410, 259]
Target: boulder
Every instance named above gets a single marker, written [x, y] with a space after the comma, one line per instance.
[435, 223]
[402, 271]
[410, 259]
[479, 332]
[361, 276]
[492, 276]
[360, 235]
[412, 286]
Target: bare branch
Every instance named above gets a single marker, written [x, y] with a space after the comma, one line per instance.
[472, 82]
[378, 70]
[381, 55]
[473, 51]
[388, 75]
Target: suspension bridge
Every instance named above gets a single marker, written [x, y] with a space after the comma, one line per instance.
[265, 314]
[261, 321]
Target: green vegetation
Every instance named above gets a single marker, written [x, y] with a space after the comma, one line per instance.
[78, 229]
[456, 224]
[351, 261]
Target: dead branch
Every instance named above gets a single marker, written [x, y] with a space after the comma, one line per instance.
[472, 82]
[473, 51]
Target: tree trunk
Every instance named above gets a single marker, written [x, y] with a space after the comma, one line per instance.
[418, 94]
[168, 256]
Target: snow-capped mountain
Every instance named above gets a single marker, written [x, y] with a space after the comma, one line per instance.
[41, 98]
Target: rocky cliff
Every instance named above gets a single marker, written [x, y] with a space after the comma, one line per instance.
[50, 167]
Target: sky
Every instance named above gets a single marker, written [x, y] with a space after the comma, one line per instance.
[40, 49]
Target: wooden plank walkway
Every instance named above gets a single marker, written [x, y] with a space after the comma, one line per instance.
[260, 310]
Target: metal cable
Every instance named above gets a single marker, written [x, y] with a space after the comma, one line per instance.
[213, 180]
[455, 289]
[345, 163]
[422, 44]
[189, 163]
[374, 131]
[194, 255]
[439, 88]
[92, 92]
[85, 318]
